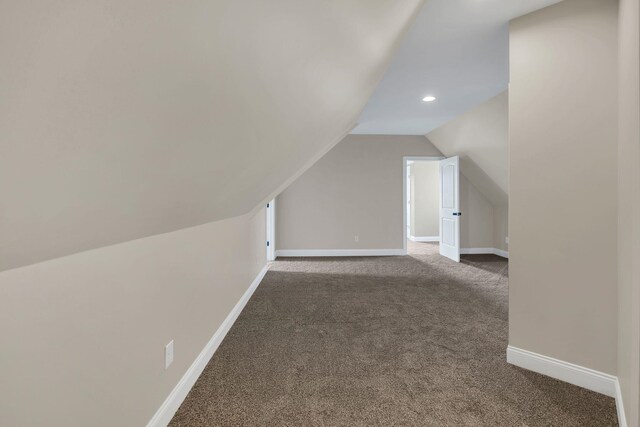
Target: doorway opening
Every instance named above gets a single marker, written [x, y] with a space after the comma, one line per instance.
[431, 206]
[422, 210]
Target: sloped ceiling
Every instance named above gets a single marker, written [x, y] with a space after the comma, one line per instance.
[120, 120]
[458, 51]
[481, 139]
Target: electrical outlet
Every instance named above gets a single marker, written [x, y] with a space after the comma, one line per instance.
[168, 355]
[356, 238]
[506, 240]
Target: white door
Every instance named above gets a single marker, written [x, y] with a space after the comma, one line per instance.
[409, 198]
[450, 208]
[271, 235]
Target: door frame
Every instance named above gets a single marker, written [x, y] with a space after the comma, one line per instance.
[405, 213]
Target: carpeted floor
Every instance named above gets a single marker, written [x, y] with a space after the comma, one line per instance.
[398, 341]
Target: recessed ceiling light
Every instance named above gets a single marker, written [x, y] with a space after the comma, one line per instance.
[429, 98]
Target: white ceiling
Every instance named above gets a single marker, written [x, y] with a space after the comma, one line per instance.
[457, 51]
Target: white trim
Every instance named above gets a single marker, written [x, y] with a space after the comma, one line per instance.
[338, 252]
[477, 251]
[405, 162]
[422, 158]
[424, 238]
[564, 371]
[171, 404]
[622, 417]
[500, 252]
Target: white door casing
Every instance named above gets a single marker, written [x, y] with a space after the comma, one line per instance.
[450, 208]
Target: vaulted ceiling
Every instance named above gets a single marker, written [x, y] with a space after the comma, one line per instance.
[457, 51]
[120, 120]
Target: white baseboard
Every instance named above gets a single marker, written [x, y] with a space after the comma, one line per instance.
[424, 238]
[622, 418]
[564, 371]
[339, 252]
[171, 404]
[377, 252]
[568, 372]
[477, 251]
[500, 252]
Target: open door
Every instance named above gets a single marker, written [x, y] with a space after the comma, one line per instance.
[450, 208]
[271, 230]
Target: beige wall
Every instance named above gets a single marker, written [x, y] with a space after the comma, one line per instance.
[425, 199]
[480, 137]
[83, 336]
[355, 189]
[476, 224]
[629, 212]
[120, 120]
[501, 227]
[124, 120]
[563, 180]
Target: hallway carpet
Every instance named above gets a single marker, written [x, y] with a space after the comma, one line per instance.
[397, 341]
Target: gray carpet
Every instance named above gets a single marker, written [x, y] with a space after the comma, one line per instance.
[398, 341]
